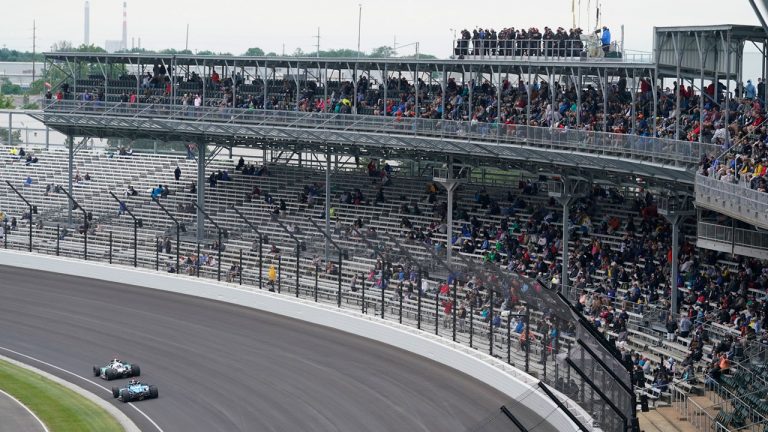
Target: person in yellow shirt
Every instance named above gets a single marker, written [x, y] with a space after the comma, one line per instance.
[272, 276]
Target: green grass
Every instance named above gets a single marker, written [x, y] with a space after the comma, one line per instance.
[61, 409]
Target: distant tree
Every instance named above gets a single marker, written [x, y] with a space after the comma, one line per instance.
[90, 49]
[298, 52]
[271, 54]
[7, 87]
[206, 53]
[254, 52]
[6, 102]
[381, 52]
[62, 46]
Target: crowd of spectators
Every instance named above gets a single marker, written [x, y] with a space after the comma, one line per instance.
[529, 42]
[485, 104]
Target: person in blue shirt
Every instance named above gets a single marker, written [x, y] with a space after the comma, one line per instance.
[606, 39]
[749, 90]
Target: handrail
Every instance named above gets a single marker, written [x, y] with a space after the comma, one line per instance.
[659, 151]
[733, 199]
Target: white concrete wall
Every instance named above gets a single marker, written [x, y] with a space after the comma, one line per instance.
[516, 385]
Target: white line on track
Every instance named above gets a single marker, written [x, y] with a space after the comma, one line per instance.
[84, 379]
[45, 428]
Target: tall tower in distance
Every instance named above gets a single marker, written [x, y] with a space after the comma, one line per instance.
[87, 24]
[125, 25]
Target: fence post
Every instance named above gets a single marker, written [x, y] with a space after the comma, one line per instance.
[86, 224]
[135, 244]
[400, 306]
[382, 294]
[338, 302]
[240, 268]
[363, 296]
[58, 238]
[453, 308]
[298, 268]
[218, 259]
[471, 321]
[437, 311]
[110, 247]
[197, 271]
[157, 255]
[509, 338]
[544, 353]
[279, 272]
[418, 302]
[317, 271]
[490, 327]
[527, 337]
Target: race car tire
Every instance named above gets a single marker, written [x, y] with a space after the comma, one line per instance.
[125, 395]
[96, 371]
[153, 392]
[135, 370]
[110, 374]
[115, 392]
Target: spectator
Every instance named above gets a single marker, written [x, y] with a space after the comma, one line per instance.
[605, 39]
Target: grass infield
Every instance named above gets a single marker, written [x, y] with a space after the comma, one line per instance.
[61, 409]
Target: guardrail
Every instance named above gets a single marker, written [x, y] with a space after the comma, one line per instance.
[735, 200]
[678, 154]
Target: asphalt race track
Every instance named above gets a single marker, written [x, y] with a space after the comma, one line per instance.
[221, 367]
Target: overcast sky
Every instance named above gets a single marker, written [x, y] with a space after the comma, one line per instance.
[235, 25]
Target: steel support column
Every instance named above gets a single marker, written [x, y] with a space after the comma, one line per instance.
[70, 170]
[201, 191]
[566, 202]
[675, 222]
[327, 200]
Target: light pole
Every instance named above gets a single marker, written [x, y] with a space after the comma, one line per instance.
[32, 210]
[359, 26]
[178, 230]
[341, 256]
[85, 222]
[415, 262]
[136, 224]
[261, 242]
[298, 253]
[413, 44]
[218, 259]
[375, 249]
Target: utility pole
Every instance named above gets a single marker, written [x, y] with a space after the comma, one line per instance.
[359, 24]
[318, 42]
[186, 43]
[34, 46]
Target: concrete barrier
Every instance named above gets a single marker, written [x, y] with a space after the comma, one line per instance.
[512, 382]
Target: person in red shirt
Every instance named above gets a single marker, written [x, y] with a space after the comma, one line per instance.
[215, 77]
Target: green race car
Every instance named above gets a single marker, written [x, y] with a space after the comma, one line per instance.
[135, 391]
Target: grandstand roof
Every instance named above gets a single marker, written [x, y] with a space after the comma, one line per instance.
[739, 31]
[450, 65]
[708, 51]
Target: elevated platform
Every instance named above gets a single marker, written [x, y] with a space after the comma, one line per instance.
[733, 200]
[622, 155]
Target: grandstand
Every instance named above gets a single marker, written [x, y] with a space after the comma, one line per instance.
[490, 206]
